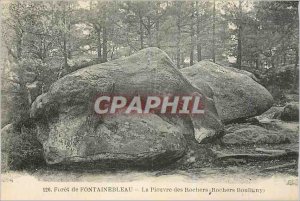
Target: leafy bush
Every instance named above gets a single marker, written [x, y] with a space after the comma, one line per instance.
[23, 150]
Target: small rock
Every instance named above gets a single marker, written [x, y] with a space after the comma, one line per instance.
[273, 113]
[251, 134]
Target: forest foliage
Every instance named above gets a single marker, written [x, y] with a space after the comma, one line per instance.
[44, 40]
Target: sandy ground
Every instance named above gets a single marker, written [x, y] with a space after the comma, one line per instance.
[231, 174]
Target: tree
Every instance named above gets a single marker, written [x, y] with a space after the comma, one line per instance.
[214, 32]
[202, 23]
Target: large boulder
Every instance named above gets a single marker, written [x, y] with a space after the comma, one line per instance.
[236, 95]
[147, 141]
[71, 133]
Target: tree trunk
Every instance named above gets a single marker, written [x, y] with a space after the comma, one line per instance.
[157, 25]
[178, 34]
[296, 81]
[19, 44]
[214, 33]
[198, 34]
[149, 31]
[257, 63]
[65, 50]
[141, 31]
[19, 34]
[182, 59]
[99, 46]
[239, 48]
[112, 53]
[192, 36]
[69, 31]
[70, 45]
[284, 53]
[104, 35]
[42, 52]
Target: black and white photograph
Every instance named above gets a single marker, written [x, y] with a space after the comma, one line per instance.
[149, 99]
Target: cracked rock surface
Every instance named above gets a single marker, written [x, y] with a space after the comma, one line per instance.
[71, 133]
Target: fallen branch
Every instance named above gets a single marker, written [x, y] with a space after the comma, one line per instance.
[269, 151]
[276, 167]
[259, 157]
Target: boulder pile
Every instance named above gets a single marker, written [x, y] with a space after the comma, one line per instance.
[72, 134]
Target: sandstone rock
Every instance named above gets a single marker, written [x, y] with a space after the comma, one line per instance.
[71, 133]
[141, 141]
[290, 112]
[249, 74]
[236, 95]
[273, 113]
[251, 134]
[281, 126]
[271, 120]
